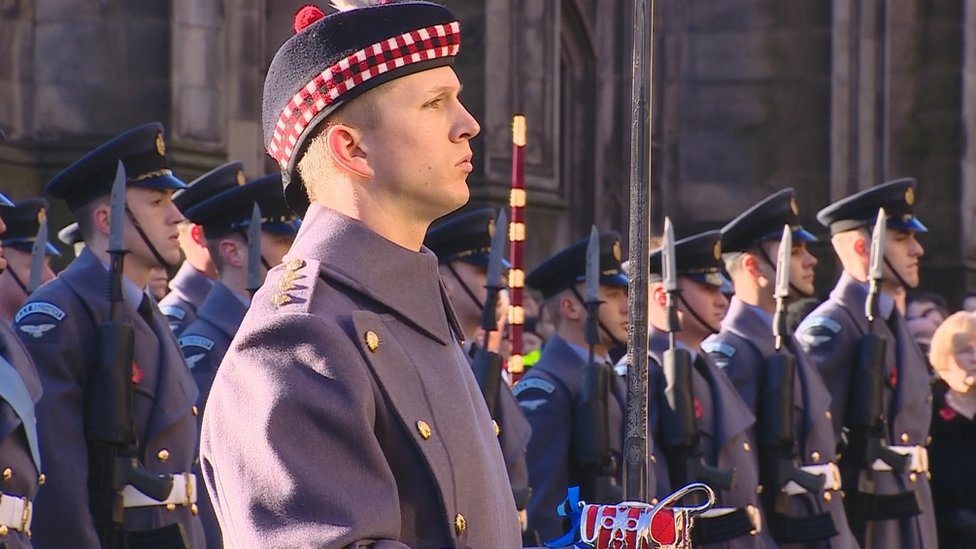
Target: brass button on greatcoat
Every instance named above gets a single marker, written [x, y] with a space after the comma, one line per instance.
[815, 456]
[460, 524]
[424, 429]
[170, 506]
[913, 477]
[828, 415]
[759, 489]
[195, 410]
[7, 473]
[4, 531]
[496, 427]
[372, 340]
[746, 447]
[904, 437]
[41, 479]
[194, 510]
[827, 496]
[163, 455]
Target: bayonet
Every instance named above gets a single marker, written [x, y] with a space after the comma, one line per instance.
[499, 241]
[669, 270]
[117, 212]
[592, 289]
[254, 275]
[876, 264]
[782, 289]
[38, 252]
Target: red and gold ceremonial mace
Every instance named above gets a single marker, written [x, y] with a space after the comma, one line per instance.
[516, 236]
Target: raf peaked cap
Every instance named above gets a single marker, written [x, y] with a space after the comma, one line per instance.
[568, 267]
[697, 257]
[896, 197]
[212, 183]
[332, 59]
[70, 234]
[23, 219]
[4, 201]
[142, 151]
[764, 221]
[464, 237]
[230, 211]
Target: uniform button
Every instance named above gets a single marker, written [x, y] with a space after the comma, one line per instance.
[41, 479]
[194, 510]
[759, 490]
[928, 440]
[904, 437]
[653, 501]
[3, 531]
[7, 473]
[815, 456]
[372, 341]
[496, 427]
[460, 524]
[827, 496]
[653, 458]
[170, 506]
[424, 429]
[928, 475]
[828, 415]
[195, 410]
[746, 447]
[913, 477]
[163, 455]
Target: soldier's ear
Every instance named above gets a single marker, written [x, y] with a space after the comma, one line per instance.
[345, 146]
[751, 265]
[861, 247]
[196, 233]
[570, 308]
[659, 295]
[100, 216]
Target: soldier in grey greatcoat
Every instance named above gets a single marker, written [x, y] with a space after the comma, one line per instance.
[226, 218]
[725, 424]
[59, 326]
[20, 462]
[750, 244]
[195, 278]
[549, 391]
[345, 412]
[899, 511]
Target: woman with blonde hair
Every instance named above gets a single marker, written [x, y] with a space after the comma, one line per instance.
[953, 358]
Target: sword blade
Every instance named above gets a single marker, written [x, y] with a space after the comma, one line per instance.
[593, 267]
[782, 290]
[38, 252]
[254, 250]
[117, 212]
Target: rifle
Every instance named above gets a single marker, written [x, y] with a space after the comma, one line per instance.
[591, 451]
[679, 433]
[113, 447]
[38, 253]
[778, 460]
[866, 421]
[487, 365]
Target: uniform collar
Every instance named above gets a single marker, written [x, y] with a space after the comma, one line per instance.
[191, 283]
[223, 309]
[406, 281]
[132, 293]
[584, 353]
[886, 303]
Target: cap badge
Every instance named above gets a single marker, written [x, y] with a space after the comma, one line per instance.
[717, 249]
[909, 196]
[617, 253]
[793, 207]
[160, 144]
[240, 177]
[491, 228]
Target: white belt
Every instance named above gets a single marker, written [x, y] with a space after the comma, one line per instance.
[831, 474]
[919, 459]
[184, 493]
[16, 512]
[754, 516]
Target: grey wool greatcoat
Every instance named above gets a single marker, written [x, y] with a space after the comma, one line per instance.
[740, 349]
[21, 472]
[830, 336]
[204, 344]
[726, 430]
[345, 412]
[547, 395]
[58, 325]
[188, 288]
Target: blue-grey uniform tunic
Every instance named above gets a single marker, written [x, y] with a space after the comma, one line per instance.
[345, 410]
[830, 337]
[740, 349]
[726, 430]
[188, 289]
[547, 395]
[204, 344]
[59, 326]
[21, 472]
